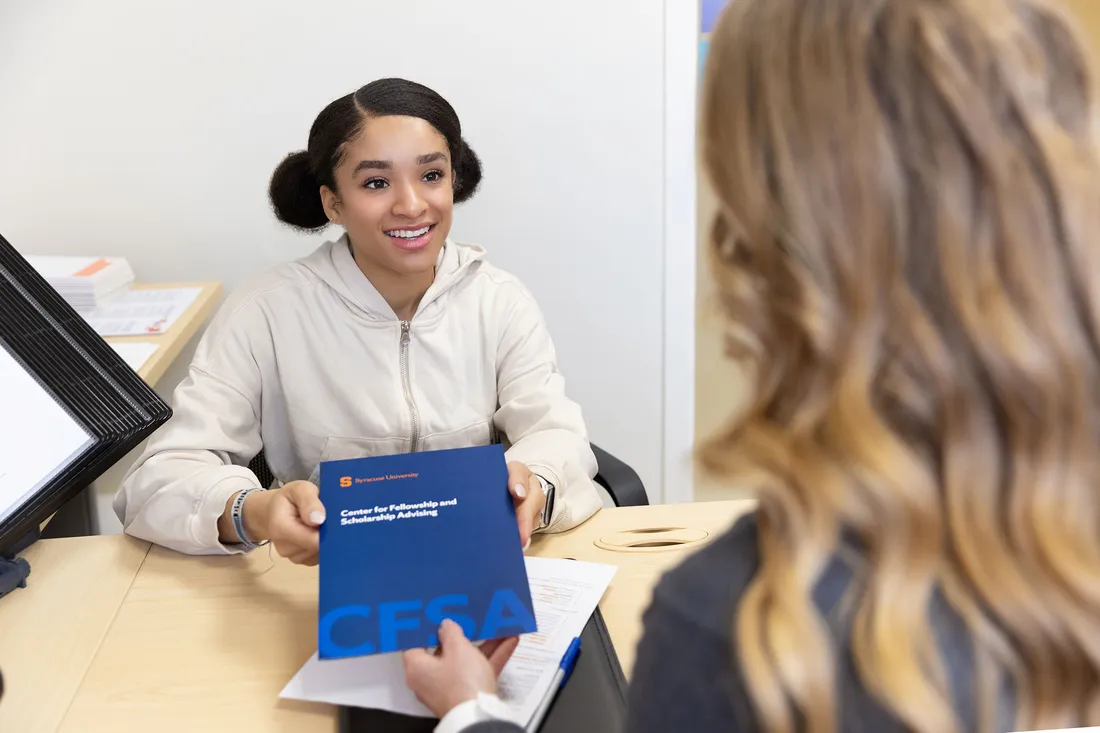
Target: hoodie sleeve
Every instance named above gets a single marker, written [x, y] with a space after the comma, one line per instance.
[545, 429]
[175, 492]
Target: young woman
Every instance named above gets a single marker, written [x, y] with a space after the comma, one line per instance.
[393, 338]
[907, 251]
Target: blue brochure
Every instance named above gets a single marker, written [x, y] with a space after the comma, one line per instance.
[411, 539]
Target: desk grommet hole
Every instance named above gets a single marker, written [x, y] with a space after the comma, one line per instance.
[652, 539]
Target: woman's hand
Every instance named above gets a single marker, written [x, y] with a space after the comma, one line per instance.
[289, 516]
[527, 493]
[458, 672]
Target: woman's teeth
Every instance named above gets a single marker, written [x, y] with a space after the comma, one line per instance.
[408, 233]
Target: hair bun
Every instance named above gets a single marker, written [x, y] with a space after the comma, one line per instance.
[296, 195]
[467, 172]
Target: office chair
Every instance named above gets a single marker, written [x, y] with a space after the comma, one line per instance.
[616, 477]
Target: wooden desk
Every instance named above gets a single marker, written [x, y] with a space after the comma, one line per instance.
[631, 588]
[51, 630]
[207, 643]
[171, 342]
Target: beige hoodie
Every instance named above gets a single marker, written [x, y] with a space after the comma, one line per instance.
[309, 362]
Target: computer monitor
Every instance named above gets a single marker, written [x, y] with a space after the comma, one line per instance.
[70, 407]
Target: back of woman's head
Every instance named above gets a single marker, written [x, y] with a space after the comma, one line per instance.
[906, 251]
[295, 186]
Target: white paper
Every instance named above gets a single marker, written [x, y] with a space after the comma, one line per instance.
[564, 593]
[141, 312]
[134, 353]
[37, 437]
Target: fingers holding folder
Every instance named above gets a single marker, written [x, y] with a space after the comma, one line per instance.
[460, 675]
[459, 672]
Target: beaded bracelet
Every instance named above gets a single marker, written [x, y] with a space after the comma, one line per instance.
[235, 514]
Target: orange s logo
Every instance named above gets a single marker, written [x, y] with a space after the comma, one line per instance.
[345, 481]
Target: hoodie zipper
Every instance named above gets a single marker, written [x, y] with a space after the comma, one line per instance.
[406, 384]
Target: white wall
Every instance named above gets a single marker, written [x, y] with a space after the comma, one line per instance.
[149, 130]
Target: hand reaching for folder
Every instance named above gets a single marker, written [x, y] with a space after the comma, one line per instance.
[459, 671]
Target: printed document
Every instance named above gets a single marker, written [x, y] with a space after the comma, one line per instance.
[141, 312]
[565, 594]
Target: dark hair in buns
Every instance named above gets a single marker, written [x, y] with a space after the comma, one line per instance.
[297, 180]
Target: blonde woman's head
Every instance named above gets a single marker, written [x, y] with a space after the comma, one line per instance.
[906, 250]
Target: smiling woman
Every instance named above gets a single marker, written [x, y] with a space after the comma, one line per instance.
[390, 163]
[390, 339]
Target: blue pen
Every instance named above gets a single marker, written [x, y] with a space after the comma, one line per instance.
[565, 668]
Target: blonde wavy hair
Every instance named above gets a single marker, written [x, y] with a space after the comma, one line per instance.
[906, 251]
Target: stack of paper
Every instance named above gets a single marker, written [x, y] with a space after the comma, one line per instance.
[84, 282]
[565, 593]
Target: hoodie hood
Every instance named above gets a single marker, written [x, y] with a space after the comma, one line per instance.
[334, 264]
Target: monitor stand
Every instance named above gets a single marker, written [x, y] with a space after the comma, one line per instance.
[74, 518]
[14, 570]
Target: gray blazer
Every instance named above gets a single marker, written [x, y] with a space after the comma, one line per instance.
[685, 677]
